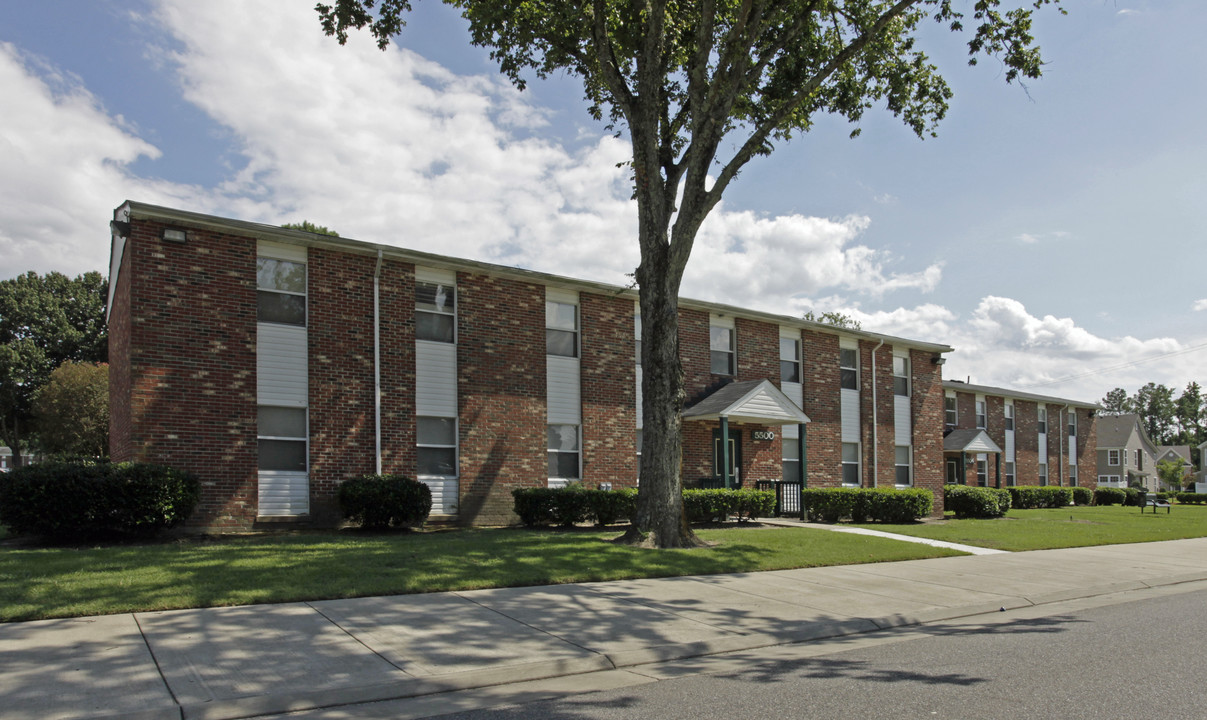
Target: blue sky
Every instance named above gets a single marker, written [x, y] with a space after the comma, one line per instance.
[1046, 233]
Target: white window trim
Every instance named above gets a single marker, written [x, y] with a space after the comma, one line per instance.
[456, 446]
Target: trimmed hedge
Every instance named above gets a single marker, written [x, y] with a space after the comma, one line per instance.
[888, 505]
[77, 500]
[573, 504]
[719, 505]
[1134, 496]
[1082, 496]
[1191, 498]
[1110, 496]
[377, 502]
[1029, 497]
[968, 501]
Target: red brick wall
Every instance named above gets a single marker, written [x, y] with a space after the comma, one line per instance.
[340, 334]
[502, 386]
[965, 410]
[758, 351]
[191, 363]
[608, 386]
[926, 407]
[1026, 443]
[120, 419]
[878, 445]
[995, 409]
[1087, 449]
[397, 306]
[823, 434]
[698, 379]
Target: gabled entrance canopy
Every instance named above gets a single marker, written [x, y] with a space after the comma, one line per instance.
[969, 441]
[753, 401]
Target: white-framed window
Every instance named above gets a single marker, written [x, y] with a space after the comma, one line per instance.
[1043, 474]
[281, 438]
[981, 415]
[280, 291]
[900, 375]
[721, 349]
[982, 470]
[850, 463]
[1009, 413]
[435, 312]
[1072, 475]
[1108, 478]
[1042, 418]
[1009, 469]
[561, 329]
[1112, 457]
[791, 456]
[950, 411]
[436, 441]
[790, 360]
[903, 464]
[1072, 423]
[564, 452]
[848, 364]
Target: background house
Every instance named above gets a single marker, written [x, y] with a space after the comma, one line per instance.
[1179, 454]
[1126, 456]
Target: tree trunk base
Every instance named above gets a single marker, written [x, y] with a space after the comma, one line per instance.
[682, 540]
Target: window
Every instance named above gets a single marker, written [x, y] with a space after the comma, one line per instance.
[1043, 421]
[1043, 474]
[1009, 474]
[848, 362]
[1112, 457]
[949, 410]
[561, 329]
[789, 360]
[637, 331]
[280, 291]
[1072, 423]
[791, 455]
[1009, 411]
[902, 453]
[900, 375]
[982, 470]
[1072, 476]
[1108, 478]
[1139, 460]
[281, 438]
[980, 414]
[435, 312]
[720, 345]
[436, 438]
[850, 463]
[563, 452]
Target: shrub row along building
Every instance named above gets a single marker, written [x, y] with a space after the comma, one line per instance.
[276, 363]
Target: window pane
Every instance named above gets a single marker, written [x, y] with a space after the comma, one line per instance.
[722, 362]
[280, 275]
[792, 471]
[850, 452]
[900, 366]
[437, 461]
[563, 465]
[902, 475]
[789, 371]
[850, 474]
[847, 357]
[276, 307]
[849, 380]
[436, 431]
[430, 326]
[281, 422]
[561, 316]
[720, 338]
[791, 449]
[436, 298]
[563, 438]
[900, 386]
[283, 455]
[789, 349]
[561, 342]
[902, 454]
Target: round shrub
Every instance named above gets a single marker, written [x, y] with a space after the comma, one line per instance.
[377, 502]
[1082, 496]
[976, 502]
[77, 500]
[1109, 496]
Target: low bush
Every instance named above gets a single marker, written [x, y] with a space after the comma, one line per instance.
[572, 505]
[863, 504]
[1110, 496]
[1191, 498]
[1029, 497]
[1134, 496]
[719, 505]
[78, 500]
[1082, 496]
[968, 501]
[377, 502]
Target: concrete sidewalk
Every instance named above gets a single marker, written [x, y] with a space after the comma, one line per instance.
[266, 659]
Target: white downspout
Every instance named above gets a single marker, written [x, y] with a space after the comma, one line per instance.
[875, 423]
[377, 361]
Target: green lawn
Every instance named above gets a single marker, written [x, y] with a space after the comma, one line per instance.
[66, 582]
[1064, 527]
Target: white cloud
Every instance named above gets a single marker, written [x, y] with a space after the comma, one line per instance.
[1199, 305]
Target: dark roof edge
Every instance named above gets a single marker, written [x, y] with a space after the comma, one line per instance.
[1018, 394]
[301, 237]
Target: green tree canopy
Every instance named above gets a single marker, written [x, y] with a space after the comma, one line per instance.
[45, 320]
[701, 87]
[71, 411]
[311, 227]
[1116, 401]
[837, 319]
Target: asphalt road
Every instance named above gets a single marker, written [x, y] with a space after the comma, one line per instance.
[1135, 658]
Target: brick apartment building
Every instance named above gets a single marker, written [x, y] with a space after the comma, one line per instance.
[277, 363]
[995, 437]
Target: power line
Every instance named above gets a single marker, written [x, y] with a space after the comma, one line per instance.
[1120, 366]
